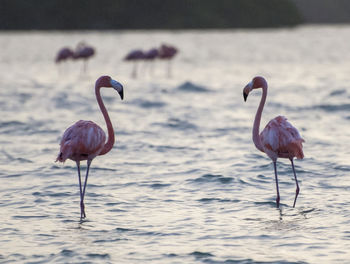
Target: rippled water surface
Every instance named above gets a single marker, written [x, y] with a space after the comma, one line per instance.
[184, 182]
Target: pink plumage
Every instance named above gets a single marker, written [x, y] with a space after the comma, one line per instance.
[82, 141]
[279, 139]
[64, 54]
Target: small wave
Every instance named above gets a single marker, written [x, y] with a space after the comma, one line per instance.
[11, 124]
[176, 123]
[11, 158]
[333, 108]
[342, 167]
[67, 253]
[199, 254]
[209, 200]
[120, 229]
[166, 148]
[109, 240]
[337, 92]
[191, 87]
[159, 185]
[97, 255]
[51, 194]
[29, 216]
[150, 104]
[213, 178]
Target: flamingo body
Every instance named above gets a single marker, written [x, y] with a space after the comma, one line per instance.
[64, 54]
[167, 51]
[134, 55]
[84, 52]
[279, 139]
[82, 141]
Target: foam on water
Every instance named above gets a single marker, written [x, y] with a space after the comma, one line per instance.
[184, 182]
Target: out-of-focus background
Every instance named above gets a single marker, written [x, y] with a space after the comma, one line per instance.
[168, 14]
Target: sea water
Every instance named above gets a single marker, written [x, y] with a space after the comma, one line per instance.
[184, 182]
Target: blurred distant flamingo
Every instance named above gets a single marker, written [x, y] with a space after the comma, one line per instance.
[64, 54]
[279, 139]
[85, 140]
[84, 52]
[167, 52]
[134, 56]
[150, 56]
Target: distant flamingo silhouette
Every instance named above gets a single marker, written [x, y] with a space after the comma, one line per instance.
[279, 139]
[64, 54]
[150, 56]
[134, 56]
[167, 52]
[85, 140]
[85, 52]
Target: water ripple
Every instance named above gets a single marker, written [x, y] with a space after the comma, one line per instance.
[208, 178]
[191, 87]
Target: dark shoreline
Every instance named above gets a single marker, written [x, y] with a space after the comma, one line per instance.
[146, 14]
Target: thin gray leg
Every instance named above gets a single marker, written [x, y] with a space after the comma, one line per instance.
[277, 189]
[296, 182]
[81, 190]
[83, 215]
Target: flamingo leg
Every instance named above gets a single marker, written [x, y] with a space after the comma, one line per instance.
[134, 71]
[169, 68]
[296, 182]
[277, 189]
[82, 206]
[85, 66]
[81, 190]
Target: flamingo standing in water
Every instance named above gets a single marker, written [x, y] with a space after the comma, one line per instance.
[84, 52]
[135, 56]
[167, 52]
[150, 56]
[85, 140]
[64, 54]
[279, 139]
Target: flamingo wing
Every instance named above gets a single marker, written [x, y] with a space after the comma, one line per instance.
[280, 139]
[81, 141]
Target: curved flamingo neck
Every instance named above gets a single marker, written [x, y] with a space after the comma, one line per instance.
[110, 142]
[256, 127]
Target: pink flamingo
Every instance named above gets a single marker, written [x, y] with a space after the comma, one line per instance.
[85, 140]
[279, 139]
[134, 56]
[167, 52]
[64, 54]
[150, 56]
[84, 52]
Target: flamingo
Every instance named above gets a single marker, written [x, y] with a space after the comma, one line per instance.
[85, 140]
[279, 139]
[135, 56]
[167, 52]
[64, 54]
[84, 52]
[150, 56]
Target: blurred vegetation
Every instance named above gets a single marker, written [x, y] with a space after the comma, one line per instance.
[146, 14]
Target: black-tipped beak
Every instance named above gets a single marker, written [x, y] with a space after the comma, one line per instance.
[118, 87]
[245, 96]
[121, 93]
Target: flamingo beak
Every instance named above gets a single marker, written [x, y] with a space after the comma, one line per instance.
[118, 87]
[245, 96]
[247, 89]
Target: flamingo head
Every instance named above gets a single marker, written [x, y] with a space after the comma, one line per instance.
[107, 81]
[257, 82]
